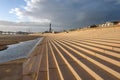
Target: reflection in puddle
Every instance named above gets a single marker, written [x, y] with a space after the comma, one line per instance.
[19, 50]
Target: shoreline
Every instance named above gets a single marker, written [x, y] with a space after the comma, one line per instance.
[3, 47]
[18, 51]
[13, 39]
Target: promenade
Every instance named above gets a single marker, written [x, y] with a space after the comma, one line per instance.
[92, 54]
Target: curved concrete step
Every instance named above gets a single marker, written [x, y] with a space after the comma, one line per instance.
[54, 69]
[94, 47]
[43, 73]
[87, 69]
[73, 72]
[111, 71]
[117, 63]
[89, 55]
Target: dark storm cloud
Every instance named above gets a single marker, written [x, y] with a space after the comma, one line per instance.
[70, 13]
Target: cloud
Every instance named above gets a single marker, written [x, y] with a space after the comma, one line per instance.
[18, 12]
[27, 24]
[23, 26]
[69, 13]
[114, 1]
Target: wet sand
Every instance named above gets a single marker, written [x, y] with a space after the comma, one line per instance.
[3, 47]
[12, 39]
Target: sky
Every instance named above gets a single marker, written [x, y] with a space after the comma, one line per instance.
[35, 15]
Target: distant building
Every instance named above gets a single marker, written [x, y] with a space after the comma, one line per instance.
[106, 24]
[0, 32]
[93, 26]
[109, 24]
[116, 22]
[20, 32]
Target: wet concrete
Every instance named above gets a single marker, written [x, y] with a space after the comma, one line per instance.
[19, 50]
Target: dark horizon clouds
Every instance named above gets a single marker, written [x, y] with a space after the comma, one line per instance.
[67, 14]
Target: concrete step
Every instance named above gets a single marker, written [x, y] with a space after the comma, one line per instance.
[43, 73]
[111, 71]
[54, 69]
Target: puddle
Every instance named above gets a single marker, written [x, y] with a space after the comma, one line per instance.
[19, 50]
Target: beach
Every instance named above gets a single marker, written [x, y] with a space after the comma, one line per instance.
[89, 54]
[12, 39]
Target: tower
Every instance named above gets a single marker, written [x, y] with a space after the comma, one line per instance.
[50, 29]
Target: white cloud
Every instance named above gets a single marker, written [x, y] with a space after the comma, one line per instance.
[23, 26]
[31, 4]
[18, 12]
[35, 24]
